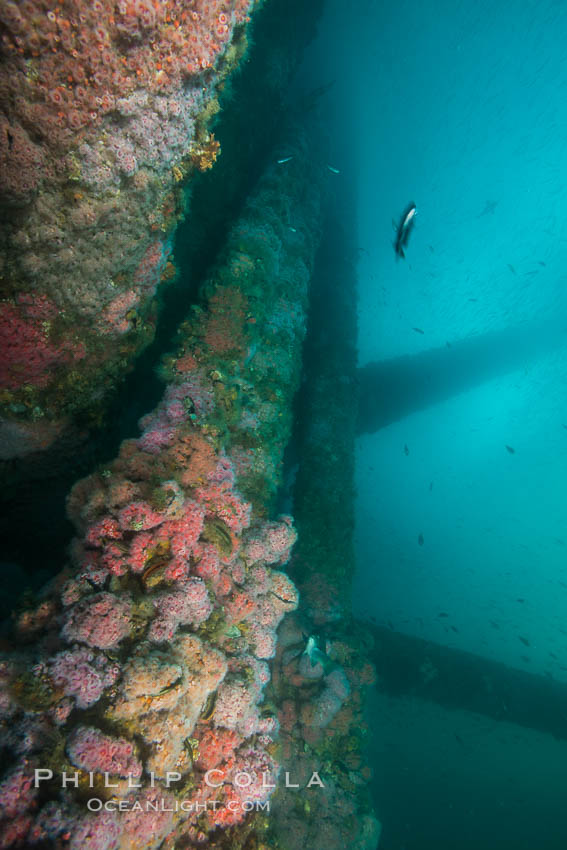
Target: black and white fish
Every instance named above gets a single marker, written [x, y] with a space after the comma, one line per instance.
[403, 229]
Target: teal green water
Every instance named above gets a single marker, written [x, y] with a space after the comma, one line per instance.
[461, 107]
[462, 467]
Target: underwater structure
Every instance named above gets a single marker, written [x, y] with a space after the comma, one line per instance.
[139, 675]
[156, 692]
[109, 685]
[105, 110]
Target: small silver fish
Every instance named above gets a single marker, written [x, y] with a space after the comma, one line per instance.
[293, 229]
[334, 170]
[285, 159]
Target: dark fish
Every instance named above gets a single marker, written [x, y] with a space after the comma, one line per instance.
[418, 330]
[459, 740]
[553, 655]
[520, 600]
[209, 707]
[420, 540]
[473, 300]
[390, 625]
[512, 269]
[511, 450]
[406, 450]
[448, 344]
[524, 640]
[92, 583]
[455, 629]
[525, 658]
[540, 263]
[167, 688]
[404, 229]
[489, 208]
[494, 624]
[442, 614]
